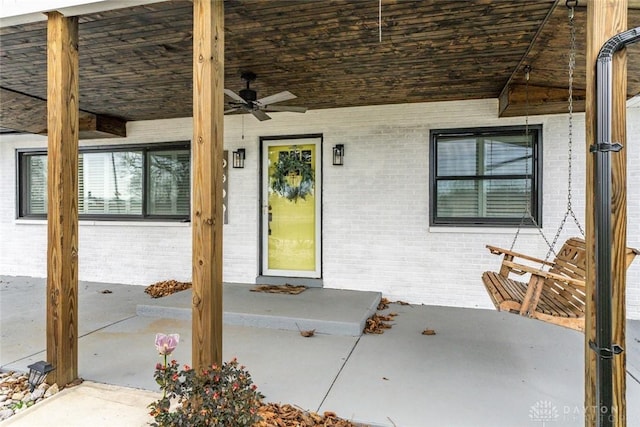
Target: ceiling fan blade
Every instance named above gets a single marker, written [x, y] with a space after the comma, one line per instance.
[286, 108]
[278, 97]
[260, 115]
[231, 110]
[234, 95]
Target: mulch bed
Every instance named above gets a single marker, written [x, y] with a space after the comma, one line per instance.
[280, 289]
[166, 287]
[276, 415]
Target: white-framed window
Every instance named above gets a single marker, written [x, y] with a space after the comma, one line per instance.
[486, 176]
[116, 182]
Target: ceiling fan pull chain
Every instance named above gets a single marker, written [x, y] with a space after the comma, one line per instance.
[380, 21]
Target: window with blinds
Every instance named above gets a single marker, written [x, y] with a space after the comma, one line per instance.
[132, 182]
[486, 176]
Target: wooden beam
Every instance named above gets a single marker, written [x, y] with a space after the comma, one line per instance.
[26, 113]
[206, 218]
[541, 100]
[606, 18]
[62, 191]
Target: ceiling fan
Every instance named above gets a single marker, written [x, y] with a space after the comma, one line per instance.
[247, 100]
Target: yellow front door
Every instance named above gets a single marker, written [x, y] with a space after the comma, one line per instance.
[291, 207]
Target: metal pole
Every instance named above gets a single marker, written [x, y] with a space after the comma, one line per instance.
[603, 346]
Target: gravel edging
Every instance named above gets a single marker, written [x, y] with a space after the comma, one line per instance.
[15, 396]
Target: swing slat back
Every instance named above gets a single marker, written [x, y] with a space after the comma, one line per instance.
[555, 294]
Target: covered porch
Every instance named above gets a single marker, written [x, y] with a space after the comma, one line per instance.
[113, 109]
[482, 368]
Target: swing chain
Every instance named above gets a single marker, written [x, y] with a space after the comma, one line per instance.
[571, 5]
[527, 211]
[572, 65]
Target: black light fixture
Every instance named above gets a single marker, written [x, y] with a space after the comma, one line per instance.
[238, 158]
[38, 372]
[338, 155]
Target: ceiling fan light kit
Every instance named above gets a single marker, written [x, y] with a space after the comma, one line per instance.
[247, 100]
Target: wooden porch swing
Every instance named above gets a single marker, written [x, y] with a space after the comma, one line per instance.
[555, 291]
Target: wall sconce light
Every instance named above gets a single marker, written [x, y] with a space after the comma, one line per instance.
[38, 372]
[338, 155]
[238, 158]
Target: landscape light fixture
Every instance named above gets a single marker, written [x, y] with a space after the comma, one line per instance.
[38, 372]
[238, 158]
[338, 155]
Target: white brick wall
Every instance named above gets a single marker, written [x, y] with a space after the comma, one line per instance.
[376, 233]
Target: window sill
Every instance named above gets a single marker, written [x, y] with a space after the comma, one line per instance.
[111, 223]
[482, 230]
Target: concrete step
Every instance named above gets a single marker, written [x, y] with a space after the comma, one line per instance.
[328, 311]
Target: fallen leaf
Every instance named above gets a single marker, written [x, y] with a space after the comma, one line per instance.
[428, 332]
[400, 302]
[277, 415]
[279, 289]
[106, 291]
[166, 287]
[383, 304]
[376, 324]
[308, 334]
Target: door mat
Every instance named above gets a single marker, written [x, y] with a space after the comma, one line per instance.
[280, 289]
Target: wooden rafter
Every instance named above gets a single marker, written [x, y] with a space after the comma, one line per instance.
[518, 100]
[26, 113]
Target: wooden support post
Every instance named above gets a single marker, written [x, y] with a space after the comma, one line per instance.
[206, 218]
[62, 193]
[606, 18]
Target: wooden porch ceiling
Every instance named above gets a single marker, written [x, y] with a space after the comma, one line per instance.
[136, 63]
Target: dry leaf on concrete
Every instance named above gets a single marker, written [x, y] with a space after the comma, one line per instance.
[166, 287]
[279, 289]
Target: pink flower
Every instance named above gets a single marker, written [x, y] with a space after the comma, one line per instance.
[167, 343]
[235, 386]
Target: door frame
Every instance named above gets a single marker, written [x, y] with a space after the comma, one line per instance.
[266, 141]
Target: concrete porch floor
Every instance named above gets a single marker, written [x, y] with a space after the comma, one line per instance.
[482, 368]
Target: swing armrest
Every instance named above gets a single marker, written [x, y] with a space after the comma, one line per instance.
[499, 251]
[522, 269]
